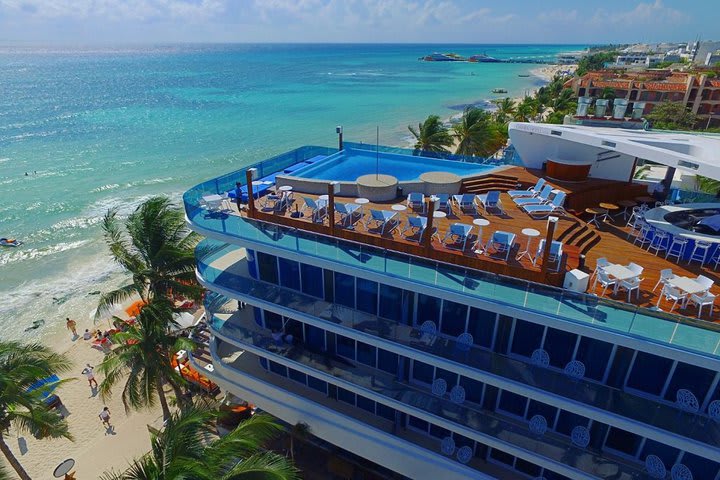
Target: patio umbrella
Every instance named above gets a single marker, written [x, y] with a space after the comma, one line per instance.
[134, 309]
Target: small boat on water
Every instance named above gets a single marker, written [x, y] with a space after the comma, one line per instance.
[499, 90]
[523, 74]
[482, 58]
[9, 242]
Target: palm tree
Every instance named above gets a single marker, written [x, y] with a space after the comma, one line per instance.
[299, 431]
[156, 249]
[142, 358]
[505, 109]
[525, 110]
[20, 367]
[189, 447]
[475, 133]
[431, 136]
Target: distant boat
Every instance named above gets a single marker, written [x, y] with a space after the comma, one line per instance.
[482, 58]
[9, 242]
[499, 90]
[523, 74]
[443, 57]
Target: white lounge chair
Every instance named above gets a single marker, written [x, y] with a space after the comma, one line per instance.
[556, 252]
[490, 200]
[416, 200]
[465, 201]
[501, 242]
[346, 211]
[443, 202]
[382, 219]
[458, 232]
[416, 227]
[530, 192]
[317, 209]
[541, 198]
[556, 206]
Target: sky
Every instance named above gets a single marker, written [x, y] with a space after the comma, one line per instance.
[88, 22]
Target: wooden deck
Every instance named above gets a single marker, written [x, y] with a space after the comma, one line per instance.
[578, 237]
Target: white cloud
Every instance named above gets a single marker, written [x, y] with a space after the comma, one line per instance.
[644, 13]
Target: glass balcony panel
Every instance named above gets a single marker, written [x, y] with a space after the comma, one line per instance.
[397, 264]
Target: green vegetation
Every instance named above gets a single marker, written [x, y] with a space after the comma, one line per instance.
[477, 134]
[431, 135]
[20, 367]
[708, 185]
[188, 447]
[595, 61]
[672, 116]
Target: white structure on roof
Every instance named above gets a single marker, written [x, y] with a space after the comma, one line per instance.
[612, 152]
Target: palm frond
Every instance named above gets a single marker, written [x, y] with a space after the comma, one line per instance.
[269, 466]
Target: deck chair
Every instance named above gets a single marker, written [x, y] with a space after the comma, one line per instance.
[501, 242]
[346, 211]
[556, 206]
[465, 201]
[443, 203]
[416, 227]
[317, 209]
[458, 232]
[490, 200]
[556, 251]
[416, 200]
[530, 192]
[540, 199]
[382, 219]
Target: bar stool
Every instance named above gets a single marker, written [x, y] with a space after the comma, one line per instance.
[633, 217]
[679, 243]
[700, 252]
[660, 242]
[644, 236]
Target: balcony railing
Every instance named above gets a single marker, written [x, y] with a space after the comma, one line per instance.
[596, 396]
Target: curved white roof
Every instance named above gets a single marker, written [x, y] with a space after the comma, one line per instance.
[696, 153]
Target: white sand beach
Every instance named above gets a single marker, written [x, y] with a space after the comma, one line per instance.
[548, 72]
[95, 450]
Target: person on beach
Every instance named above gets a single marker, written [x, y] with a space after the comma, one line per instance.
[105, 417]
[87, 335]
[88, 372]
[72, 326]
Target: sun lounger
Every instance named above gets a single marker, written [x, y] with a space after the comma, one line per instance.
[530, 192]
[443, 202]
[556, 206]
[556, 252]
[346, 211]
[382, 219]
[416, 200]
[490, 200]
[317, 209]
[458, 232]
[416, 227]
[541, 198]
[465, 201]
[502, 243]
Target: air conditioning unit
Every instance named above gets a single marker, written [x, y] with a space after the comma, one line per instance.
[576, 281]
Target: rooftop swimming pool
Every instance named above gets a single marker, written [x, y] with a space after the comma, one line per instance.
[351, 163]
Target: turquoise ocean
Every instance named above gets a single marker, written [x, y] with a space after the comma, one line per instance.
[97, 128]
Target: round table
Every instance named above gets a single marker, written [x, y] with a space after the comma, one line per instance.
[439, 214]
[64, 468]
[285, 188]
[399, 208]
[362, 202]
[626, 204]
[479, 246]
[610, 207]
[324, 197]
[595, 212]
[530, 233]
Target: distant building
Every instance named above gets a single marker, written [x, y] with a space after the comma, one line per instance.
[699, 92]
[712, 58]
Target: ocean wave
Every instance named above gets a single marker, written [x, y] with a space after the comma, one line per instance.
[4, 159]
[76, 223]
[109, 186]
[21, 254]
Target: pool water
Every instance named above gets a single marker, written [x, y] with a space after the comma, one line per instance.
[350, 164]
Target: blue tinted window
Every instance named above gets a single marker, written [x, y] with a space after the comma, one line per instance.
[512, 403]
[554, 476]
[622, 441]
[297, 376]
[527, 338]
[367, 296]
[317, 384]
[346, 396]
[595, 354]
[386, 412]
[473, 389]
[289, 273]
[695, 379]
[366, 354]
[567, 421]
[312, 280]
[345, 289]
[526, 467]
[366, 404]
[273, 321]
[461, 441]
[428, 308]
[560, 346]
[387, 361]
[314, 338]
[391, 302]
[417, 423]
[267, 265]
[422, 372]
[264, 363]
[666, 453]
[279, 369]
[649, 373]
[502, 457]
[700, 467]
[481, 325]
[439, 432]
[453, 318]
[345, 347]
[450, 377]
[538, 408]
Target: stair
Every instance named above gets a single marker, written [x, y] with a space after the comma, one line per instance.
[486, 183]
[581, 236]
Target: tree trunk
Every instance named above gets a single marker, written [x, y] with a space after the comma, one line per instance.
[292, 448]
[163, 399]
[12, 460]
[180, 396]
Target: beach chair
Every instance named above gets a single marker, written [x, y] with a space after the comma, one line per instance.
[465, 201]
[415, 226]
[317, 209]
[458, 232]
[272, 200]
[416, 200]
[530, 192]
[540, 199]
[346, 211]
[556, 206]
[556, 252]
[501, 242]
[443, 203]
[490, 200]
[382, 219]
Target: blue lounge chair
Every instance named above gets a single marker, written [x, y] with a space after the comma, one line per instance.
[416, 227]
[443, 203]
[382, 219]
[556, 251]
[317, 209]
[458, 232]
[540, 199]
[556, 206]
[346, 211]
[490, 200]
[258, 191]
[466, 202]
[530, 192]
[416, 200]
[502, 243]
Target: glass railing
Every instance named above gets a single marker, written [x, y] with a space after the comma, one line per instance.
[557, 448]
[592, 394]
[423, 153]
[693, 335]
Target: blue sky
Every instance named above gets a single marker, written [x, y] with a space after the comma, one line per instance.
[431, 21]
